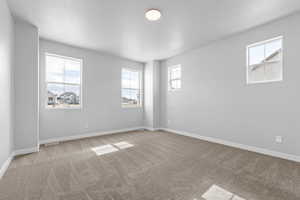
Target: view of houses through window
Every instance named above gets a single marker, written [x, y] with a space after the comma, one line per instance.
[63, 81]
[265, 61]
[131, 88]
[174, 77]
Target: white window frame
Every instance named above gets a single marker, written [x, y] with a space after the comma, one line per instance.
[140, 72]
[170, 80]
[248, 58]
[80, 106]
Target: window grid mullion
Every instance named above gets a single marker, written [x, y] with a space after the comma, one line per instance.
[63, 83]
[64, 75]
[265, 56]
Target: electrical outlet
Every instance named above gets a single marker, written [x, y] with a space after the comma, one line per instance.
[278, 139]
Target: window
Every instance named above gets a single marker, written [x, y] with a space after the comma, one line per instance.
[63, 81]
[264, 61]
[131, 88]
[174, 77]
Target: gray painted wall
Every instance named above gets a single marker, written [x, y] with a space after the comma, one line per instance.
[151, 97]
[26, 85]
[148, 94]
[156, 95]
[216, 102]
[102, 110]
[6, 82]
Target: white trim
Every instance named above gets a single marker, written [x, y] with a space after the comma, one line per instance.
[266, 81]
[5, 165]
[63, 56]
[237, 145]
[26, 151]
[265, 41]
[131, 106]
[88, 135]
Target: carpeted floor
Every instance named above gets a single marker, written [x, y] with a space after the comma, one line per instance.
[148, 166]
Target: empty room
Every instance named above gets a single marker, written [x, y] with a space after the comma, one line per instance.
[149, 100]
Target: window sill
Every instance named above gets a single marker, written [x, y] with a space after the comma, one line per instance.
[65, 108]
[132, 107]
[262, 82]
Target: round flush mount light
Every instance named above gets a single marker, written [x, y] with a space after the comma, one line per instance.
[153, 14]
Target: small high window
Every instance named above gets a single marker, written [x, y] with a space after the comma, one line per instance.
[63, 81]
[264, 61]
[131, 88]
[174, 77]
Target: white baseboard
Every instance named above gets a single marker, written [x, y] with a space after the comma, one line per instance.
[25, 151]
[151, 129]
[5, 165]
[237, 145]
[88, 135]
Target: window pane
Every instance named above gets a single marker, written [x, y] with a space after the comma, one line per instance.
[71, 95]
[135, 96]
[172, 84]
[73, 89]
[56, 89]
[125, 74]
[72, 71]
[256, 54]
[54, 69]
[134, 75]
[273, 50]
[53, 92]
[126, 78]
[61, 95]
[273, 71]
[175, 84]
[130, 97]
[256, 73]
[178, 84]
[135, 82]
[130, 79]
[125, 94]
[126, 83]
[176, 73]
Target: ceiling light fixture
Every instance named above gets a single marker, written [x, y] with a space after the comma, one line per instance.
[153, 15]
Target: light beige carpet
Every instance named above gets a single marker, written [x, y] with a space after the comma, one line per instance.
[148, 166]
